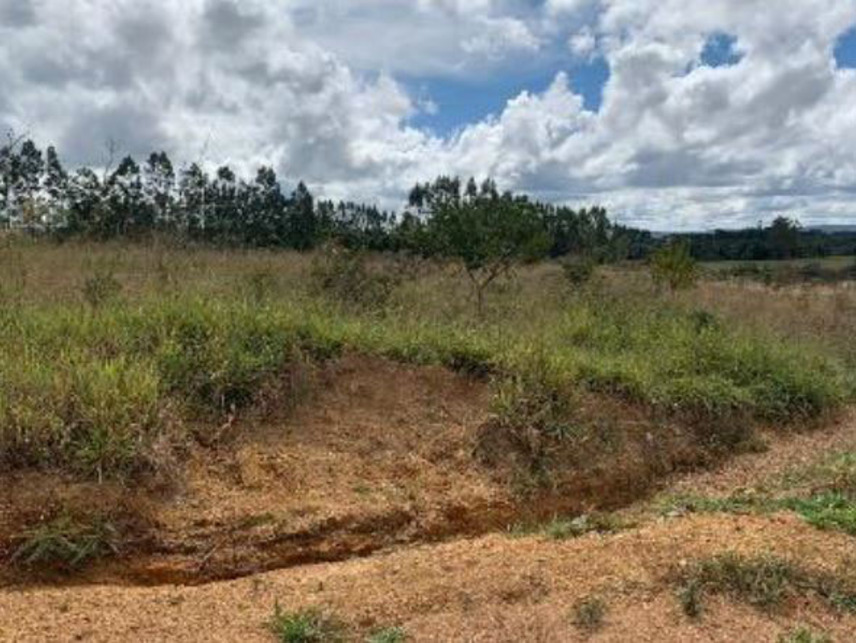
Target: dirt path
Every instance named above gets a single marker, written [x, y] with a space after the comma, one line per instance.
[492, 588]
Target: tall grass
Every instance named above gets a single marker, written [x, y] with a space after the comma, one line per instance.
[95, 388]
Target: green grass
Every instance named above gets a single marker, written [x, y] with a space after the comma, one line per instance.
[305, 626]
[66, 543]
[93, 387]
[822, 494]
[763, 582]
[804, 635]
[589, 613]
[388, 635]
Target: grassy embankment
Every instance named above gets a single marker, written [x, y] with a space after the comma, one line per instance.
[109, 350]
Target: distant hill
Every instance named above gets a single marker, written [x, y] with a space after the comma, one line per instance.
[832, 228]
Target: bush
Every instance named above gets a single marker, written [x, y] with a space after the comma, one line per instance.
[100, 288]
[579, 271]
[305, 626]
[589, 613]
[344, 276]
[66, 543]
[672, 265]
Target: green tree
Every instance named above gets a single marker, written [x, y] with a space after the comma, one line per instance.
[783, 236]
[303, 226]
[159, 183]
[673, 265]
[489, 233]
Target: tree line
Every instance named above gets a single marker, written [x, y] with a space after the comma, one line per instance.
[132, 200]
[447, 216]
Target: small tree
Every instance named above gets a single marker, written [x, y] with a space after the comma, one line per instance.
[673, 265]
[489, 233]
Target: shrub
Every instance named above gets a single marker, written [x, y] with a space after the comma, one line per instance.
[589, 613]
[305, 626]
[578, 271]
[672, 265]
[100, 288]
[66, 543]
[763, 582]
[344, 276]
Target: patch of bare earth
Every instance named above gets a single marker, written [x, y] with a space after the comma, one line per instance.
[342, 503]
[784, 452]
[491, 588]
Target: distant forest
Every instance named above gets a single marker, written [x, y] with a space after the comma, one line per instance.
[38, 195]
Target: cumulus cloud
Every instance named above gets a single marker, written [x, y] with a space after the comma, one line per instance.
[318, 90]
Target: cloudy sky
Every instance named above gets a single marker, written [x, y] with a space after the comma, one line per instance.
[675, 114]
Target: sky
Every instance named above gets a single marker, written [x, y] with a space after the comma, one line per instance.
[673, 114]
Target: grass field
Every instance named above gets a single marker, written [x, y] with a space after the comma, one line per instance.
[170, 416]
[109, 349]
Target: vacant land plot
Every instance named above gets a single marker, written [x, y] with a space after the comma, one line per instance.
[576, 459]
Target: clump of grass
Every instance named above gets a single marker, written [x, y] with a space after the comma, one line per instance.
[823, 495]
[388, 635]
[66, 543]
[100, 288]
[259, 286]
[804, 634]
[345, 276]
[597, 522]
[305, 626]
[763, 582]
[589, 613]
[830, 510]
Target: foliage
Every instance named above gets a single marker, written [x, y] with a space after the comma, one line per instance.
[589, 613]
[388, 635]
[486, 231]
[763, 582]
[673, 266]
[305, 626]
[345, 276]
[108, 392]
[65, 542]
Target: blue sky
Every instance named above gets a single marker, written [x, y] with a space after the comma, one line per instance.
[458, 102]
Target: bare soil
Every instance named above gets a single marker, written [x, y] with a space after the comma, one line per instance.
[377, 498]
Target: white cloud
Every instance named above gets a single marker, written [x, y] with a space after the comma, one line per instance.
[314, 88]
[498, 36]
[582, 43]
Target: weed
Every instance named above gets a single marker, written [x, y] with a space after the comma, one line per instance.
[804, 634]
[589, 613]
[65, 542]
[259, 286]
[345, 276]
[830, 510]
[388, 635]
[305, 626]
[763, 582]
[602, 523]
[578, 272]
[100, 288]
